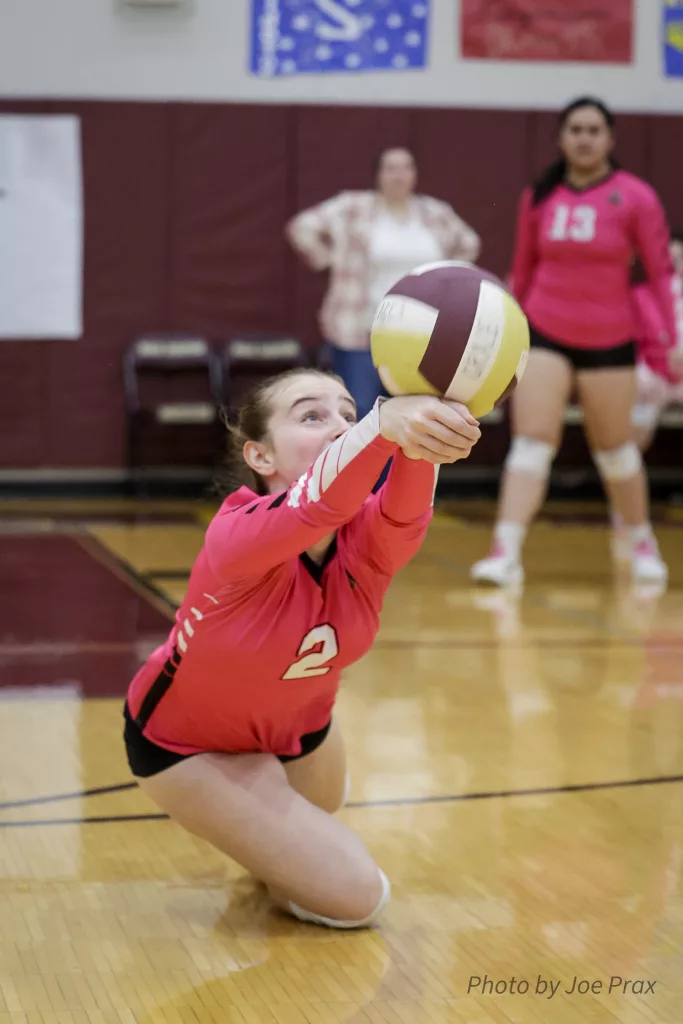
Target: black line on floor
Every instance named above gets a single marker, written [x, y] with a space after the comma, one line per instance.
[166, 574]
[581, 787]
[410, 801]
[98, 550]
[119, 787]
[84, 821]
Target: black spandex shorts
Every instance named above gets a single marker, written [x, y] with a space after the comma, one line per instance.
[587, 358]
[146, 758]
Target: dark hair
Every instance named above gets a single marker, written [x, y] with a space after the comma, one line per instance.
[377, 162]
[251, 424]
[555, 173]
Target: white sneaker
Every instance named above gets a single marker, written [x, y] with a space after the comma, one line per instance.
[499, 569]
[647, 565]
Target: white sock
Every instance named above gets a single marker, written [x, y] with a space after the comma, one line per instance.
[639, 534]
[510, 536]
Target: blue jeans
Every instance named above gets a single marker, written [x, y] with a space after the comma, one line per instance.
[356, 369]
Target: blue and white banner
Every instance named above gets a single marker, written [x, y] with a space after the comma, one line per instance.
[293, 37]
[672, 34]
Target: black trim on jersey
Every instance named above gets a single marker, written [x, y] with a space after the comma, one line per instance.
[234, 508]
[240, 508]
[582, 189]
[274, 504]
[158, 689]
[316, 570]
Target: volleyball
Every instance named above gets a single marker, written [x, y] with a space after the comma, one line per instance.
[454, 330]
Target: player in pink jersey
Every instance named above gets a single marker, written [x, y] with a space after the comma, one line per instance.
[660, 369]
[579, 231]
[659, 372]
[229, 726]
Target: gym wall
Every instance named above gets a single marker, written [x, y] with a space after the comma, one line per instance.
[185, 202]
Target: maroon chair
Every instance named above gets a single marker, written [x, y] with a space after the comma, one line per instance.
[173, 389]
[250, 358]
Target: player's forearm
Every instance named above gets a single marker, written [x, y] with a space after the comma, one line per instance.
[255, 538]
[408, 494]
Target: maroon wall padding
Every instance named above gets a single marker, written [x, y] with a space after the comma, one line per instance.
[185, 206]
[665, 163]
[21, 372]
[478, 161]
[125, 156]
[230, 179]
[21, 409]
[62, 401]
[633, 144]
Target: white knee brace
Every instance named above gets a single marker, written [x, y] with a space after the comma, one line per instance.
[619, 464]
[529, 456]
[329, 922]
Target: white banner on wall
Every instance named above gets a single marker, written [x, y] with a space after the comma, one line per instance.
[41, 227]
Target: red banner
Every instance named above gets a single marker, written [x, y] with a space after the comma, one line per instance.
[598, 31]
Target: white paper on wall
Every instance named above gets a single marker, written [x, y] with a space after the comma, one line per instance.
[41, 227]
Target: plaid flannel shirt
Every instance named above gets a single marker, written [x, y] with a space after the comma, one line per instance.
[335, 235]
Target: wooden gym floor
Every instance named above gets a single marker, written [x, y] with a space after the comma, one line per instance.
[517, 770]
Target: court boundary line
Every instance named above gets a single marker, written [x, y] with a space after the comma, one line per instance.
[410, 801]
[118, 787]
[166, 574]
[108, 559]
[114, 819]
[123, 569]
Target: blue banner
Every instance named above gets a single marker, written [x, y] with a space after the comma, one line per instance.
[672, 33]
[294, 37]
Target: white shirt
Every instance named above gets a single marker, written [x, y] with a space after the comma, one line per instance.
[396, 248]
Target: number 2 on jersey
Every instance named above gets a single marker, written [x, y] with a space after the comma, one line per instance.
[577, 224]
[314, 664]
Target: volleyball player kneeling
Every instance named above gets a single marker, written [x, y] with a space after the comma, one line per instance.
[229, 725]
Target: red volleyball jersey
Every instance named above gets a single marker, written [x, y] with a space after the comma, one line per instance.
[573, 258]
[253, 661]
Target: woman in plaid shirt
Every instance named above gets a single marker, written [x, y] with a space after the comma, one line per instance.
[369, 241]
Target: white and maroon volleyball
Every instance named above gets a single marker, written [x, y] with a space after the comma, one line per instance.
[451, 329]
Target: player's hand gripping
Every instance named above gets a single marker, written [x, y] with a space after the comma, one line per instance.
[430, 428]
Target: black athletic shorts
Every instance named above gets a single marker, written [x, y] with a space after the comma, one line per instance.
[146, 758]
[587, 358]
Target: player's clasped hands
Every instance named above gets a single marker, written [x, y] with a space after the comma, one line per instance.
[430, 428]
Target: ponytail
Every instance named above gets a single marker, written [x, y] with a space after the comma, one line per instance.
[552, 176]
[233, 472]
